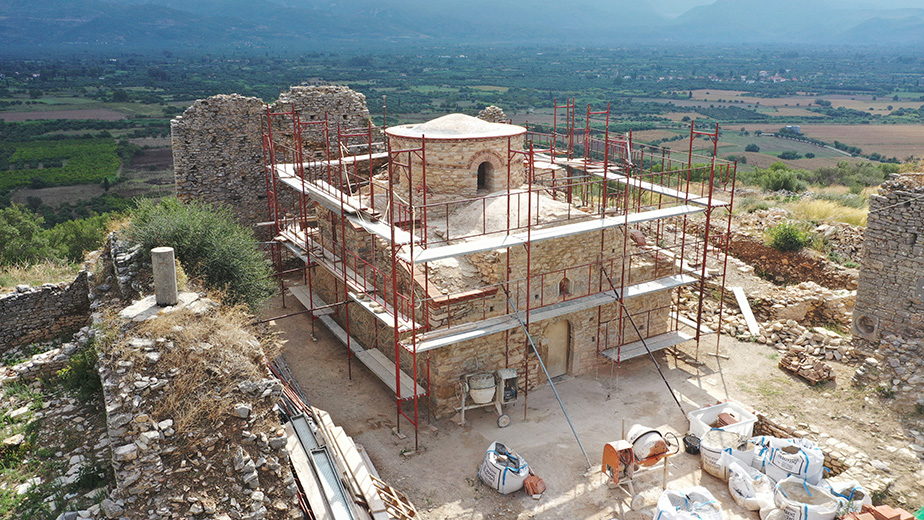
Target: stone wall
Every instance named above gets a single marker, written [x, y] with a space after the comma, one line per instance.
[218, 145]
[29, 314]
[890, 296]
[218, 155]
[888, 318]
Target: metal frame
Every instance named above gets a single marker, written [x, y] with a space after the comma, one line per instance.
[609, 182]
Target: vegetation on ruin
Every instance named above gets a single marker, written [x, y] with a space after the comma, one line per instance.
[788, 237]
[210, 245]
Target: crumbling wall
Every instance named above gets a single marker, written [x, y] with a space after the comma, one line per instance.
[218, 145]
[888, 319]
[218, 155]
[38, 314]
[890, 296]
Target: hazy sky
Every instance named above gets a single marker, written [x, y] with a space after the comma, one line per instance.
[678, 7]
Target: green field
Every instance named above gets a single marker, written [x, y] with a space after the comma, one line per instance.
[57, 163]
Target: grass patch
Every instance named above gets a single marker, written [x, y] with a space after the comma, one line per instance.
[48, 271]
[827, 211]
[80, 376]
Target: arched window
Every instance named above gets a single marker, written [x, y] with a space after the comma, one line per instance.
[485, 170]
[565, 287]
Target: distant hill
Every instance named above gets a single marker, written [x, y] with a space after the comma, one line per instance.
[305, 24]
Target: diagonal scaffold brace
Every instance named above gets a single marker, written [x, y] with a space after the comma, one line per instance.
[548, 377]
[644, 344]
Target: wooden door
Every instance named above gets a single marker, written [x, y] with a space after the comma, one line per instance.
[558, 348]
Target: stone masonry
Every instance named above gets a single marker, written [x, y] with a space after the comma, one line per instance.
[218, 146]
[888, 319]
[30, 315]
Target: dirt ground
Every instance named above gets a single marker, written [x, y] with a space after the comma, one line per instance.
[440, 478]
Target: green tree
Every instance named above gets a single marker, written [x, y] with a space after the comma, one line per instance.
[22, 239]
[752, 148]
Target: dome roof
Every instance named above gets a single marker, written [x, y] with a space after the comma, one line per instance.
[456, 126]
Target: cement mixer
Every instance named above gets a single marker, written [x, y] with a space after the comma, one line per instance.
[641, 449]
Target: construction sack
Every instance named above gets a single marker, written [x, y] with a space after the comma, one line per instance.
[711, 446]
[503, 469]
[796, 499]
[851, 496]
[695, 503]
[781, 458]
[750, 488]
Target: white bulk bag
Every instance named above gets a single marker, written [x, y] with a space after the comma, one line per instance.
[782, 458]
[695, 503]
[796, 499]
[750, 488]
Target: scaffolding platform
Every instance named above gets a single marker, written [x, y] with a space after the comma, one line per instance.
[654, 343]
[468, 331]
[521, 238]
[375, 361]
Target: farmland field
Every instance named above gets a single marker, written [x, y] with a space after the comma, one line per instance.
[57, 163]
[891, 140]
[102, 114]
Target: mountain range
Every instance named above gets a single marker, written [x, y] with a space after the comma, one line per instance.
[323, 24]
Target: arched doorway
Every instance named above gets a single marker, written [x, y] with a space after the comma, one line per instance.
[557, 349]
[485, 171]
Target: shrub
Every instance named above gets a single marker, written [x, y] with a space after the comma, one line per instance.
[80, 376]
[788, 237]
[752, 148]
[782, 180]
[209, 243]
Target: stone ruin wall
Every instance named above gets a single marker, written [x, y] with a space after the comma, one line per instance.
[218, 145]
[29, 315]
[889, 313]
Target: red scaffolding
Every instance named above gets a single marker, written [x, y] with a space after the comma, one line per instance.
[377, 260]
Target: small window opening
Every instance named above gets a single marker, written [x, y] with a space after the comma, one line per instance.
[565, 287]
[484, 170]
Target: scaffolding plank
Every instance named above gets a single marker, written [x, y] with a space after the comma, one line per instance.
[303, 295]
[657, 188]
[753, 327]
[470, 331]
[384, 369]
[387, 317]
[520, 238]
[654, 343]
[306, 478]
[372, 358]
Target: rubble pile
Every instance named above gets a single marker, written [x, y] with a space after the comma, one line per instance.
[789, 336]
[806, 302]
[806, 367]
[230, 458]
[845, 240]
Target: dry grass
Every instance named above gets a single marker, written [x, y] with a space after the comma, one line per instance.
[827, 211]
[214, 353]
[36, 274]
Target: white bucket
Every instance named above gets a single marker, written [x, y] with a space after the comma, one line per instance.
[481, 387]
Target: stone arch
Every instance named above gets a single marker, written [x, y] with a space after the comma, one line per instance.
[490, 171]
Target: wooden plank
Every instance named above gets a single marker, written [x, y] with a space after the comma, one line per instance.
[753, 327]
[384, 369]
[305, 474]
[356, 466]
[303, 295]
[654, 343]
[520, 238]
[692, 324]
